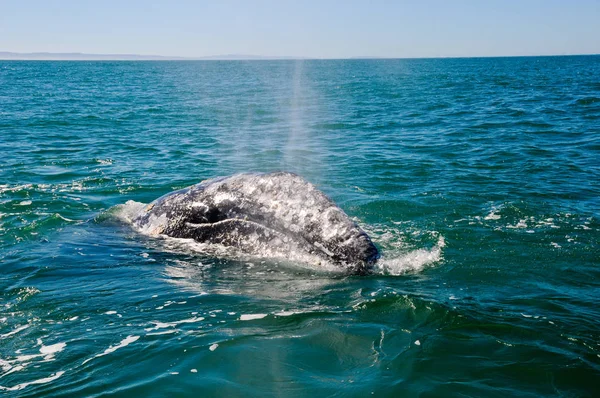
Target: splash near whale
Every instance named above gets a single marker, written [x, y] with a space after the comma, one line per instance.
[277, 215]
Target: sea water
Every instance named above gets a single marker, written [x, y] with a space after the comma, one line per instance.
[478, 180]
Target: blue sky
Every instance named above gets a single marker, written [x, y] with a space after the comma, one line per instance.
[323, 29]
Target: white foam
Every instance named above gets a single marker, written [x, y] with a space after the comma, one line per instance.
[8, 368]
[27, 358]
[505, 343]
[128, 211]
[163, 332]
[25, 203]
[249, 317]
[65, 218]
[7, 188]
[160, 325]
[164, 325]
[52, 349]
[412, 261]
[492, 216]
[520, 225]
[15, 331]
[286, 313]
[124, 343]
[39, 381]
[190, 320]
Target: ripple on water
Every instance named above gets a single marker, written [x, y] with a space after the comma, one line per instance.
[477, 179]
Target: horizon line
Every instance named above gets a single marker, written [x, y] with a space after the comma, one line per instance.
[79, 56]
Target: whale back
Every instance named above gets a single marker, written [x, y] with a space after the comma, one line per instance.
[253, 210]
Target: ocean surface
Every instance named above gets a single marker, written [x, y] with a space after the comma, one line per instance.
[478, 180]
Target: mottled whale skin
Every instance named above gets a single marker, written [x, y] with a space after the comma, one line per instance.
[276, 214]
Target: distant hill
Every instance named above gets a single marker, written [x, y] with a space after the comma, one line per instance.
[245, 57]
[4, 55]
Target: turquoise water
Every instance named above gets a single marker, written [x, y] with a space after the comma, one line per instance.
[478, 179]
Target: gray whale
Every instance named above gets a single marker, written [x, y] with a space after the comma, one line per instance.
[273, 214]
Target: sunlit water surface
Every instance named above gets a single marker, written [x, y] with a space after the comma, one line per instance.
[478, 179]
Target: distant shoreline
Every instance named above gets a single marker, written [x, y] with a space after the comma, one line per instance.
[45, 56]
